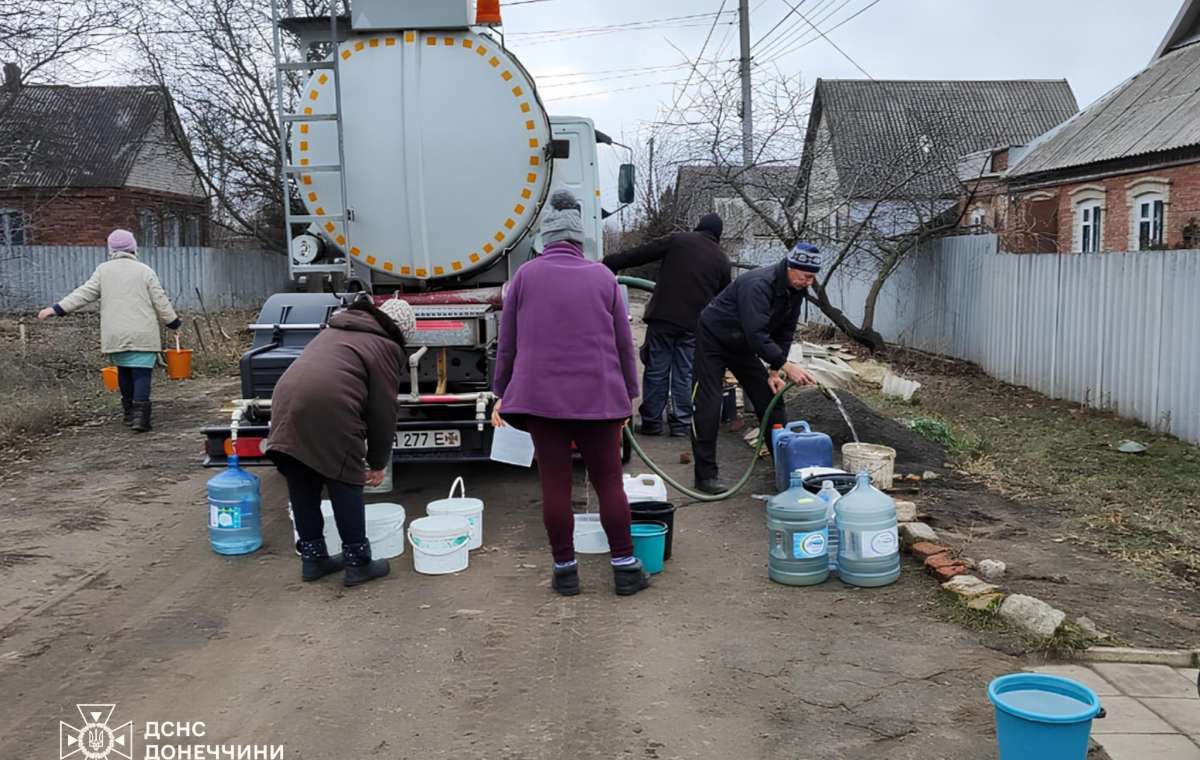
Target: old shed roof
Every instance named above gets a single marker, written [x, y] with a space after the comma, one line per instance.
[904, 138]
[697, 186]
[1153, 112]
[57, 136]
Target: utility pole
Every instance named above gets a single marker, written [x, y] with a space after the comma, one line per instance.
[652, 200]
[747, 106]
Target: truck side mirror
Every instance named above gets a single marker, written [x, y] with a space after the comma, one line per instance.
[627, 183]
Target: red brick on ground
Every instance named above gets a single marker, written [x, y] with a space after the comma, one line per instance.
[923, 550]
[947, 572]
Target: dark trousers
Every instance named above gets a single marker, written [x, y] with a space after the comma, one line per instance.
[667, 358]
[600, 445]
[304, 491]
[712, 359]
[135, 382]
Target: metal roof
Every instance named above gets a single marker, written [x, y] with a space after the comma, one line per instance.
[697, 187]
[1154, 111]
[905, 138]
[58, 136]
[1185, 29]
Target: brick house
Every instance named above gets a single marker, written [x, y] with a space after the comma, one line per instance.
[1122, 175]
[77, 162]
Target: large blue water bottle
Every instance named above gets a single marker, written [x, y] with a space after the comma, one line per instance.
[798, 530]
[869, 550]
[234, 511]
[798, 447]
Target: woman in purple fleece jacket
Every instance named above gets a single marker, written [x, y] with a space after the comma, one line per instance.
[566, 369]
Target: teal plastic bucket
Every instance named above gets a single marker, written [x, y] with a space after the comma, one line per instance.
[650, 544]
[1042, 717]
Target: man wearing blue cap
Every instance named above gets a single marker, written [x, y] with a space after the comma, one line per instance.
[752, 322]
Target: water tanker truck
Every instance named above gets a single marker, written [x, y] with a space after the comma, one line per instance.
[421, 156]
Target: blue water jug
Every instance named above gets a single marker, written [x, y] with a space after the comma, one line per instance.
[868, 547]
[798, 447]
[234, 511]
[798, 530]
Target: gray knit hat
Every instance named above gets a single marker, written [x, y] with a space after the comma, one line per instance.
[402, 313]
[563, 219]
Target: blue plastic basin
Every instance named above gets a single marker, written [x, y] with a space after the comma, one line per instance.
[1042, 717]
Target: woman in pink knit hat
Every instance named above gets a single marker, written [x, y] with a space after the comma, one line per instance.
[132, 305]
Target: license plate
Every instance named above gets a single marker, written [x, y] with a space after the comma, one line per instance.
[428, 439]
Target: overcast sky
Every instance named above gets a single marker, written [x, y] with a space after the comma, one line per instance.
[1094, 44]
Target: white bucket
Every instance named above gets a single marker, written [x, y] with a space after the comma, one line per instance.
[385, 529]
[461, 506]
[878, 461]
[645, 487]
[590, 537]
[440, 544]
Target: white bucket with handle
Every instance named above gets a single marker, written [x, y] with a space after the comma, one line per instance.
[461, 506]
[440, 544]
[385, 529]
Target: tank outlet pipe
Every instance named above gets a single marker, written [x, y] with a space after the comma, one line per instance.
[414, 370]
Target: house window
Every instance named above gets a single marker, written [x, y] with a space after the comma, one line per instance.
[148, 221]
[191, 233]
[172, 234]
[12, 227]
[1150, 222]
[1149, 201]
[979, 218]
[1091, 228]
[1089, 212]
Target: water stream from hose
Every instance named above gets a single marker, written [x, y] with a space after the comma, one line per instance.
[833, 395]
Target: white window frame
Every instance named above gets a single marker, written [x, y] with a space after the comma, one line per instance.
[151, 233]
[1089, 198]
[172, 230]
[1148, 190]
[978, 219]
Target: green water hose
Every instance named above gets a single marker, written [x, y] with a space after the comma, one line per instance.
[640, 283]
[763, 430]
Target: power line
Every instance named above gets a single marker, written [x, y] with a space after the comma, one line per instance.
[605, 27]
[778, 24]
[695, 65]
[819, 14]
[833, 44]
[832, 29]
[608, 92]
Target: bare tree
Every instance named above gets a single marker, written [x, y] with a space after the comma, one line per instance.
[869, 220]
[47, 39]
[214, 57]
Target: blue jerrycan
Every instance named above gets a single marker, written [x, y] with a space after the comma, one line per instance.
[234, 511]
[798, 447]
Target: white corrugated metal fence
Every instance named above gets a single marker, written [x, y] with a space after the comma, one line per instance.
[35, 276]
[1113, 330]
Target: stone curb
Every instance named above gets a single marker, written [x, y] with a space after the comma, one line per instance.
[1175, 658]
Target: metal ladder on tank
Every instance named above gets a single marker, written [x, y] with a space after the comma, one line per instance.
[290, 171]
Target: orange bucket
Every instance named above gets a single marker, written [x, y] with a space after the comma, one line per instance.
[179, 362]
[109, 375]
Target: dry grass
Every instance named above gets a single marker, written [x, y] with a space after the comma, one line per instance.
[1143, 510]
[52, 379]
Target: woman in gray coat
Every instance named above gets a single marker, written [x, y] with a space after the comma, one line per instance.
[132, 305]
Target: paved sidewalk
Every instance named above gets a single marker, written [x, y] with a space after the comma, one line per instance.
[1153, 710]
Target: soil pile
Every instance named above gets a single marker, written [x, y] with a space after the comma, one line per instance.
[914, 452]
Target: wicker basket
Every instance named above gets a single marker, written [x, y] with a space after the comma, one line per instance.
[878, 461]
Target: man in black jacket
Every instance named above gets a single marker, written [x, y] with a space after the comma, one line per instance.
[753, 321]
[694, 270]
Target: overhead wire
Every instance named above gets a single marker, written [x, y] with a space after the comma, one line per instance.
[830, 30]
[778, 24]
[819, 14]
[695, 65]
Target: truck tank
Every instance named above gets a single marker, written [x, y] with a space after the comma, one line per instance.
[447, 149]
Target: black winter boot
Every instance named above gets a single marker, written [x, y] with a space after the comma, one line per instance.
[711, 486]
[127, 408]
[141, 417]
[360, 568]
[566, 580]
[630, 579]
[315, 560]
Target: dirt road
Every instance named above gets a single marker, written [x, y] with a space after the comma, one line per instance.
[713, 662]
